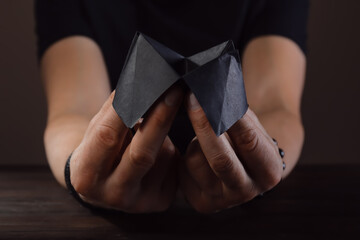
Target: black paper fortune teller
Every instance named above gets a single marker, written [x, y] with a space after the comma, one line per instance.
[214, 76]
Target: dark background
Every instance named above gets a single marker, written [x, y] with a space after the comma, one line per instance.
[331, 111]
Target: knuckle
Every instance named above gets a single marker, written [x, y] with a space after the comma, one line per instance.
[141, 158]
[106, 136]
[193, 149]
[113, 201]
[82, 186]
[202, 124]
[195, 161]
[274, 177]
[248, 140]
[271, 175]
[246, 196]
[245, 193]
[168, 150]
[221, 163]
[160, 119]
[82, 180]
[196, 165]
[117, 199]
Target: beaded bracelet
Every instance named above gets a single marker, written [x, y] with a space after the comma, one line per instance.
[281, 152]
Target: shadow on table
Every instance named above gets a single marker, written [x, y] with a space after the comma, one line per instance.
[312, 203]
[178, 222]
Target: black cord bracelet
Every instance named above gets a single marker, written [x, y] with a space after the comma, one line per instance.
[71, 189]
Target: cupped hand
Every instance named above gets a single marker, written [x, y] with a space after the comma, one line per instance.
[115, 169]
[225, 171]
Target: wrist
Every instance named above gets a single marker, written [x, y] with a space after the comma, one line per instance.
[288, 130]
[62, 135]
[92, 205]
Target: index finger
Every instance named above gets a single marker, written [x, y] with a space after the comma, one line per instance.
[142, 152]
[104, 136]
[97, 152]
[217, 150]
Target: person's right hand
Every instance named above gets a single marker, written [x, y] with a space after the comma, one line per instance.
[111, 168]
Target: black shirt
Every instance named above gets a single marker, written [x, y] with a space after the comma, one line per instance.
[186, 26]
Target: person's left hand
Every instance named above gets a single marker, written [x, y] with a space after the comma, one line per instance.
[221, 172]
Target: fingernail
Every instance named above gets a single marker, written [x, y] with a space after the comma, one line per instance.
[173, 97]
[193, 102]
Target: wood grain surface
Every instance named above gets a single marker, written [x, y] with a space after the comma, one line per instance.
[315, 202]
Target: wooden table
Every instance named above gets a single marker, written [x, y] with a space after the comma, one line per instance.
[315, 202]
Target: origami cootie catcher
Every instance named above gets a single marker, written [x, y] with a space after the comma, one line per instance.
[214, 76]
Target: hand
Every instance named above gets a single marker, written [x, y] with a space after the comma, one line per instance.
[111, 168]
[221, 172]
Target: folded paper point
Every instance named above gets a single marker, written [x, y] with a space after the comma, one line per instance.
[213, 75]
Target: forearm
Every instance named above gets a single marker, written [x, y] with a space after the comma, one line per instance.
[76, 86]
[287, 129]
[274, 72]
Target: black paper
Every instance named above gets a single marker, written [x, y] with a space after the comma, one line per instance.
[214, 76]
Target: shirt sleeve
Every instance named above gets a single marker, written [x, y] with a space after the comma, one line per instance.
[57, 19]
[287, 18]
